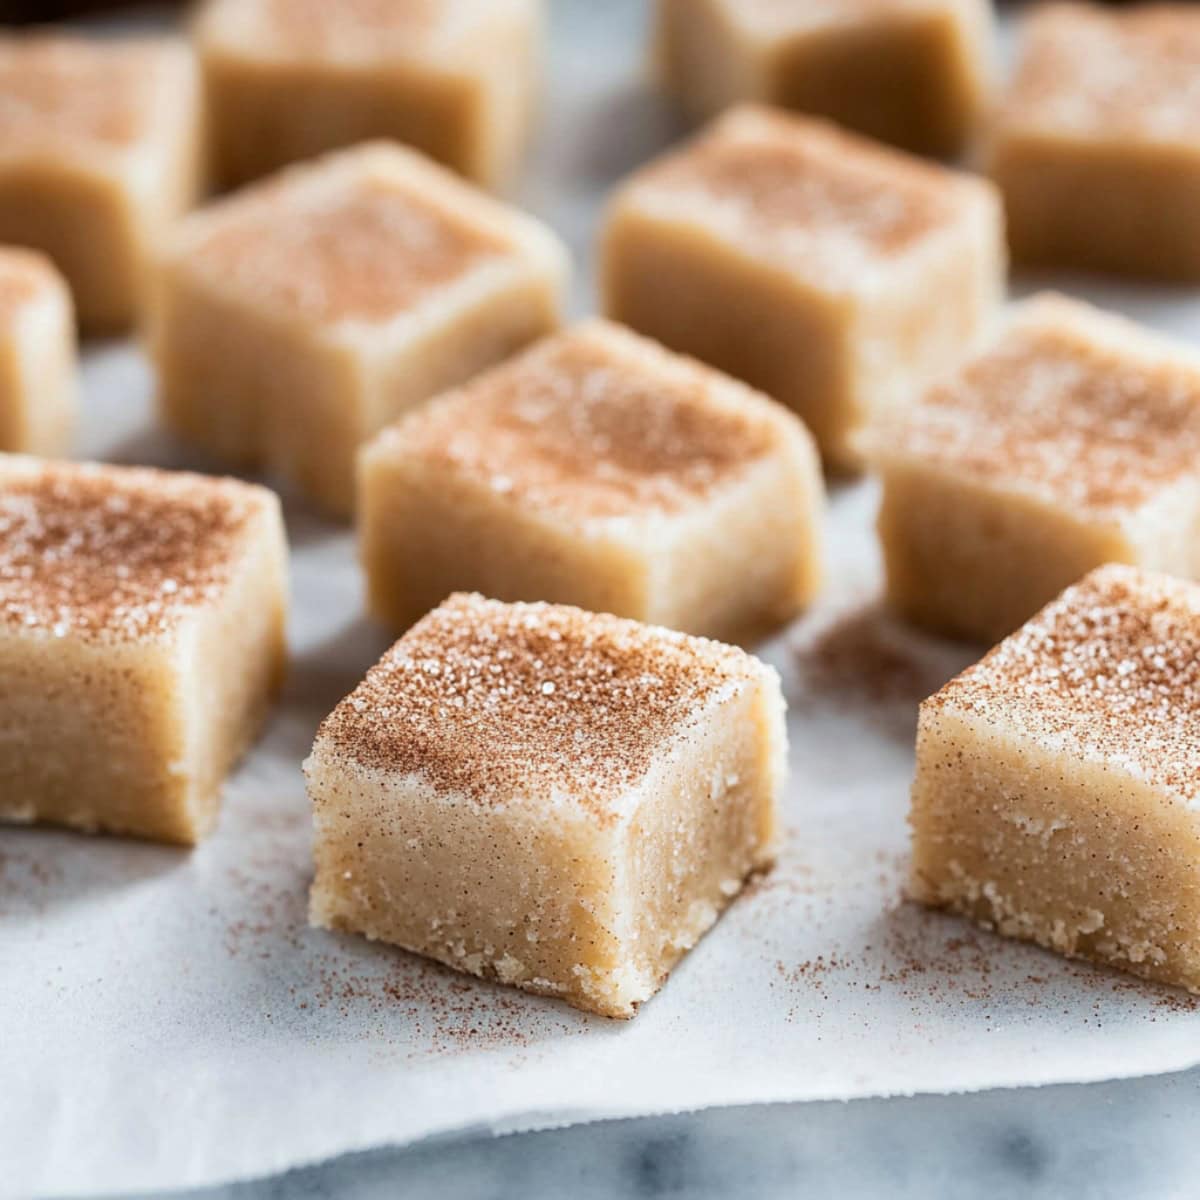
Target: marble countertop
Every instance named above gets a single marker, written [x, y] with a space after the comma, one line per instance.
[1135, 1139]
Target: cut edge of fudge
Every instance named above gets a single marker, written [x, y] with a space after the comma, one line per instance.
[1056, 791]
[159, 600]
[540, 733]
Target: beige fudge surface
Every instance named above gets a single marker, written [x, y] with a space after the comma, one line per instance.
[288, 79]
[911, 72]
[1057, 794]
[600, 470]
[832, 273]
[1071, 441]
[548, 797]
[141, 640]
[296, 318]
[1097, 145]
[99, 153]
[37, 355]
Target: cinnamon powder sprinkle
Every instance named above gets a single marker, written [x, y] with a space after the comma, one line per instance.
[326, 243]
[595, 423]
[58, 90]
[1108, 673]
[536, 702]
[114, 552]
[824, 200]
[25, 276]
[1071, 404]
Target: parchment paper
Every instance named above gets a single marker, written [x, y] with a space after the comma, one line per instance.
[168, 1019]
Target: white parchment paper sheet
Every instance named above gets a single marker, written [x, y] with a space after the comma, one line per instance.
[168, 1019]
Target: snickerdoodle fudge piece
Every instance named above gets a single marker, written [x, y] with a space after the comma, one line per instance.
[1071, 441]
[911, 72]
[1057, 794]
[548, 797]
[600, 470]
[296, 318]
[37, 355]
[99, 153]
[141, 641]
[834, 274]
[289, 79]
[1097, 145]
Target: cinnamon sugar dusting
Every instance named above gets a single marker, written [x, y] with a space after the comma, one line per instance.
[56, 89]
[1108, 673]
[1109, 74]
[114, 552]
[793, 186]
[532, 701]
[1060, 408]
[361, 248]
[595, 423]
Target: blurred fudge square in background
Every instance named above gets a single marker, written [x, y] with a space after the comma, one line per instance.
[1071, 441]
[830, 272]
[287, 79]
[99, 153]
[914, 73]
[297, 317]
[1096, 146]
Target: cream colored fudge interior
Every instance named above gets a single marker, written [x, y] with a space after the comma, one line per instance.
[914, 73]
[290, 79]
[1096, 146]
[141, 642]
[296, 318]
[99, 153]
[1056, 788]
[834, 274]
[37, 355]
[1071, 441]
[547, 797]
[597, 469]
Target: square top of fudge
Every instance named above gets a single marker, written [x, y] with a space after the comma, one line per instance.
[28, 283]
[1107, 674]
[599, 425]
[835, 210]
[1071, 406]
[351, 32]
[105, 554]
[770, 19]
[90, 99]
[375, 236]
[1086, 73]
[533, 704]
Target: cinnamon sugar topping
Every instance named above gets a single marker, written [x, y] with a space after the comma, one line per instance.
[1110, 73]
[115, 552]
[362, 248]
[539, 702]
[1109, 672]
[789, 186]
[56, 89]
[596, 423]
[1076, 406]
[25, 275]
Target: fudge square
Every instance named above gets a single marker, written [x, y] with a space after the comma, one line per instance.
[288, 79]
[832, 273]
[911, 72]
[556, 799]
[141, 641]
[1097, 145]
[37, 355]
[1057, 784]
[295, 319]
[600, 470]
[99, 152]
[1073, 440]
